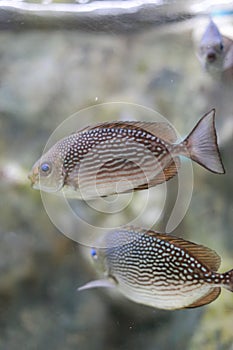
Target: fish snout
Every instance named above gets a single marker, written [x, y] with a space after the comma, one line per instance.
[33, 177]
[211, 56]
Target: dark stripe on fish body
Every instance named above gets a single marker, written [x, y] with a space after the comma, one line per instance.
[104, 173]
[118, 164]
[136, 174]
[80, 144]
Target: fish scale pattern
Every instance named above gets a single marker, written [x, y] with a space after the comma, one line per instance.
[153, 259]
[103, 140]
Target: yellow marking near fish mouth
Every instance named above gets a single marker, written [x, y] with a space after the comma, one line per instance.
[33, 177]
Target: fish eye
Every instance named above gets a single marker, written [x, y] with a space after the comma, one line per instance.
[221, 46]
[45, 168]
[93, 253]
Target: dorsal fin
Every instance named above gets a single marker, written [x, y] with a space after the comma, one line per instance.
[204, 255]
[211, 36]
[162, 130]
[208, 298]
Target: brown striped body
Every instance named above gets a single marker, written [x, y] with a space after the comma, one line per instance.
[120, 157]
[119, 160]
[159, 270]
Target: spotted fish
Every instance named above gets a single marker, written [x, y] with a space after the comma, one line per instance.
[159, 270]
[215, 51]
[118, 157]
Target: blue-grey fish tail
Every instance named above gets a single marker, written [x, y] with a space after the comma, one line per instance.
[201, 144]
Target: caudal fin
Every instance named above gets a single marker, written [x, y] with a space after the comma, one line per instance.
[202, 144]
[228, 280]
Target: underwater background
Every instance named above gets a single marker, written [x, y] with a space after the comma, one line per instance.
[56, 59]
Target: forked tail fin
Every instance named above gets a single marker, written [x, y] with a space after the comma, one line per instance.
[202, 144]
[228, 276]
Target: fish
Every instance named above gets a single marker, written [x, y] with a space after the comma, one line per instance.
[215, 52]
[158, 270]
[120, 157]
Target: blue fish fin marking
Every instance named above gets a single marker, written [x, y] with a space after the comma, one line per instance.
[97, 283]
[202, 144]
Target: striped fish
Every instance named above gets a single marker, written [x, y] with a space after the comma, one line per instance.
[118, 157]
[159, 270]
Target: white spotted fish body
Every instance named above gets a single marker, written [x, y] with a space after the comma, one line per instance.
[118, 157]
[159, 270]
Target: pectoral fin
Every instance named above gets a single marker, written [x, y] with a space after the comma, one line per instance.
[98, 283]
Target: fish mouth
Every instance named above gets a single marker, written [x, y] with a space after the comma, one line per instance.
[33, 178]
[211, 57]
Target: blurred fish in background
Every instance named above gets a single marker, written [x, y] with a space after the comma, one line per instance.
[215, 52]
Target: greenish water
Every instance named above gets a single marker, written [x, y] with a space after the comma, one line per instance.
[46, 76]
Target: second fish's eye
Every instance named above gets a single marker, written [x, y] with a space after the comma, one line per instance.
[45, 168]
[93, 253]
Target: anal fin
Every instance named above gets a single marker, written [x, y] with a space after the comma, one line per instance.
[208, 298]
